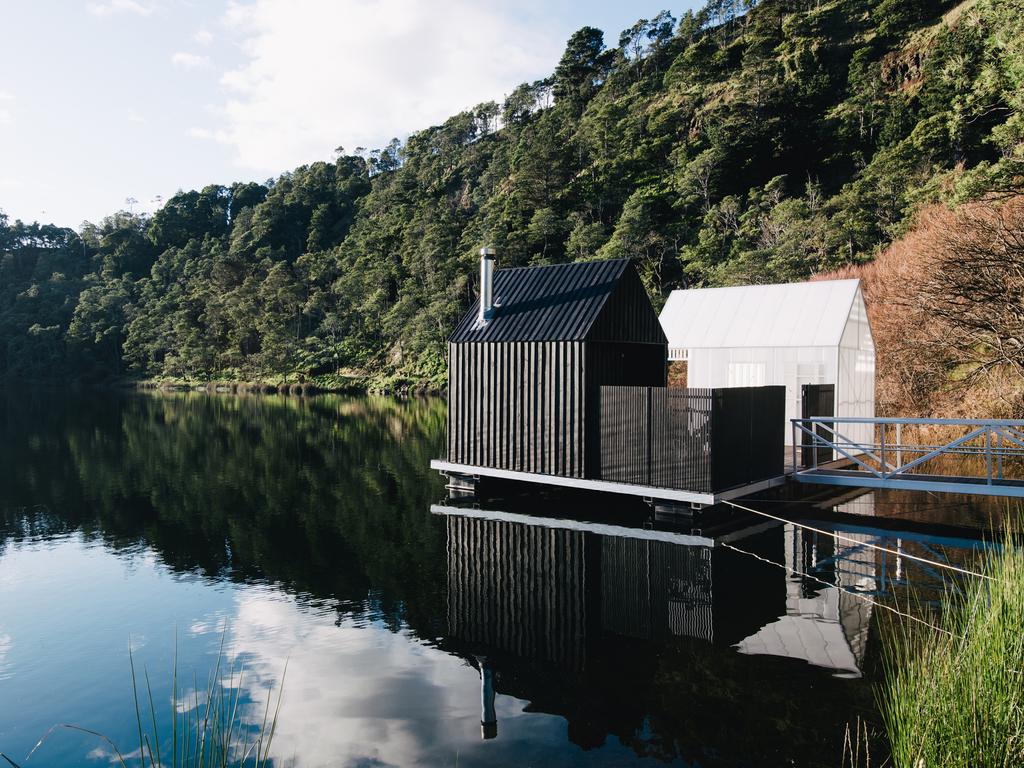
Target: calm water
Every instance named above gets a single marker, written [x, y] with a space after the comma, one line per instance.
[312, 532]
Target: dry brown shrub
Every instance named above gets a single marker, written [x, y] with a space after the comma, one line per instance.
[677, 374]
[946, 304]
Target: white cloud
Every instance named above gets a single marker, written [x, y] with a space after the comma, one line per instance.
[133, 116]
[6, 115]
[356, 72]
[187, 60]
[203, 36]
[115, 6]
[206, 134]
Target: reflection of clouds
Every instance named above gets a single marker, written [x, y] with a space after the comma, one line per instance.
[214, 623]
[352, 696]
[190, 699]
[6, 643]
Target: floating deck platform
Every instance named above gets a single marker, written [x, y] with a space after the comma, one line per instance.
[653, 493]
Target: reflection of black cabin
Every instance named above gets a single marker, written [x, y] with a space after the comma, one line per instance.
[524, 383]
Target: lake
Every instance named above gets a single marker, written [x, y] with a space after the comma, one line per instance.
[310, 533]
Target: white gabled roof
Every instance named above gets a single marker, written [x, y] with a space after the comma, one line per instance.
[809, 314]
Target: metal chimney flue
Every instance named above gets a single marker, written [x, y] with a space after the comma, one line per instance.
[486, 283]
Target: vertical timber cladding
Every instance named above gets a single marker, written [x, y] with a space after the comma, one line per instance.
[517, 406]
[523, 383]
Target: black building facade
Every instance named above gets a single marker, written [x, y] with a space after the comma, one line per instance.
[525, 371]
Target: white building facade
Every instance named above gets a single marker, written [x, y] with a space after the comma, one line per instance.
[792, 334]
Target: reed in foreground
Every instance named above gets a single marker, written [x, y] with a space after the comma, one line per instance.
[206, 726]
[954, 696]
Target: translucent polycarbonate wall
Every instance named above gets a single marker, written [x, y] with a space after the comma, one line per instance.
[794, 334]
[850, 366]
[764, 366]
[855, 388]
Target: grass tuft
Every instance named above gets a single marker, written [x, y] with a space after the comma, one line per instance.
[956, 697]
[207, 730]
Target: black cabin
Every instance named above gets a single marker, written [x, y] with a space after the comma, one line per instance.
[525, 369]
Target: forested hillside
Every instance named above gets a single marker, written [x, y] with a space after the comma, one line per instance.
[738, 144]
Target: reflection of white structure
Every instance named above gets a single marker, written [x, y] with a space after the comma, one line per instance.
[830, 627]
[793, 334]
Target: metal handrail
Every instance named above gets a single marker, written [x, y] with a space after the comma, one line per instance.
[913, 420]
[994, 432]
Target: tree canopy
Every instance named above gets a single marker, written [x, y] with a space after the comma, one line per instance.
[744, 143]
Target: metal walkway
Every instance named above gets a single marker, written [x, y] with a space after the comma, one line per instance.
[973, 456]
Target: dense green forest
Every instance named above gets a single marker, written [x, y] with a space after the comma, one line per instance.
[742, 143]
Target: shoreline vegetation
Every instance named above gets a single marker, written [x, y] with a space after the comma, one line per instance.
[954, 695]
[952, 687]
[351, 384]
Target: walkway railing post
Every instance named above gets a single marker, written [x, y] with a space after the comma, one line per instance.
[988, 454]
[881, 439]
[999, 451]
[796, 448]
[899, 446]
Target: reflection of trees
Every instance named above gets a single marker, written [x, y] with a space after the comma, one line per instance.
[327, 496]
[330, 497]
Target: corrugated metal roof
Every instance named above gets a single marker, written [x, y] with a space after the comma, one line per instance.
[811, 314]
[554, 303]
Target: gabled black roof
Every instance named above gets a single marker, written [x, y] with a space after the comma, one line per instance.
[563, 302]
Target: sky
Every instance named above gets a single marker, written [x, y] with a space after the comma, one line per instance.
[103, 101]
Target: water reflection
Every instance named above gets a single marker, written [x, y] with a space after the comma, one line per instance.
[512, 634]
[548, 601]
[632, 632]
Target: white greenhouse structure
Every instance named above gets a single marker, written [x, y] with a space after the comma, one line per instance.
[793, 334]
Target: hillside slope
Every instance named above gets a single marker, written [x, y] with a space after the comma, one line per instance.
[795, 138]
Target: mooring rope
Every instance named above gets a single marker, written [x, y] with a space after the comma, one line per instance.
[852, 540]
[865, 598]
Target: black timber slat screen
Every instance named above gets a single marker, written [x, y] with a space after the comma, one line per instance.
[701, 440]
[616, 364]
[625, 434]
[748, 435]
[681, 431]
[656, 436]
